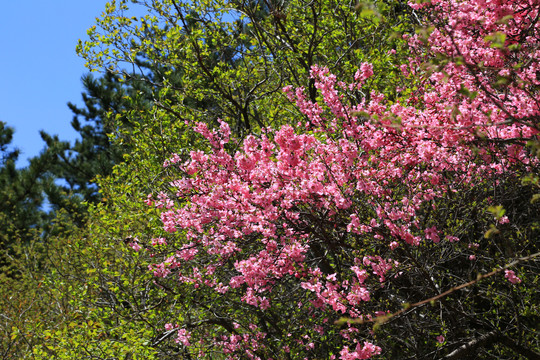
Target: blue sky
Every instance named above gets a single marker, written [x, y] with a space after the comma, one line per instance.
[39, 69]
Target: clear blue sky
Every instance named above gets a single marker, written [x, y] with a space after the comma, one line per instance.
[39, 69]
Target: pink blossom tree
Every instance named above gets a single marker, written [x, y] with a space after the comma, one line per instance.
[327, 238]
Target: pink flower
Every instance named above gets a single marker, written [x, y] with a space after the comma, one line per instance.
[149, 200]
[365, 71]
[431, 233]
[183, 337]
[504, 220]
[404, 69]
[511, 276]
[440, 339]
[135, 245]
[158, 241]
[365, 352]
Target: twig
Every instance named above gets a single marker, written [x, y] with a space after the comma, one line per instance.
[384, 318]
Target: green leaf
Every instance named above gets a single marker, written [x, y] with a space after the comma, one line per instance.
[496, 39]
[497, 211]
[491, 232]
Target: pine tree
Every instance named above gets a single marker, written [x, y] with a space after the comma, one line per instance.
[76, 165]
[22, 217]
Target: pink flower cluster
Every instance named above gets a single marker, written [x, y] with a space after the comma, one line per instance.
[272, 211]
[511, 276]
[361, 352]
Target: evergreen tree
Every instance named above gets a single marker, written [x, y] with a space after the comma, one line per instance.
[22, 217]
[76, 165]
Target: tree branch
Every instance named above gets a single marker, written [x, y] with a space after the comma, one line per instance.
[407, 307]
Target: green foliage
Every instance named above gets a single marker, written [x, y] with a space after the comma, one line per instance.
[235, 57]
